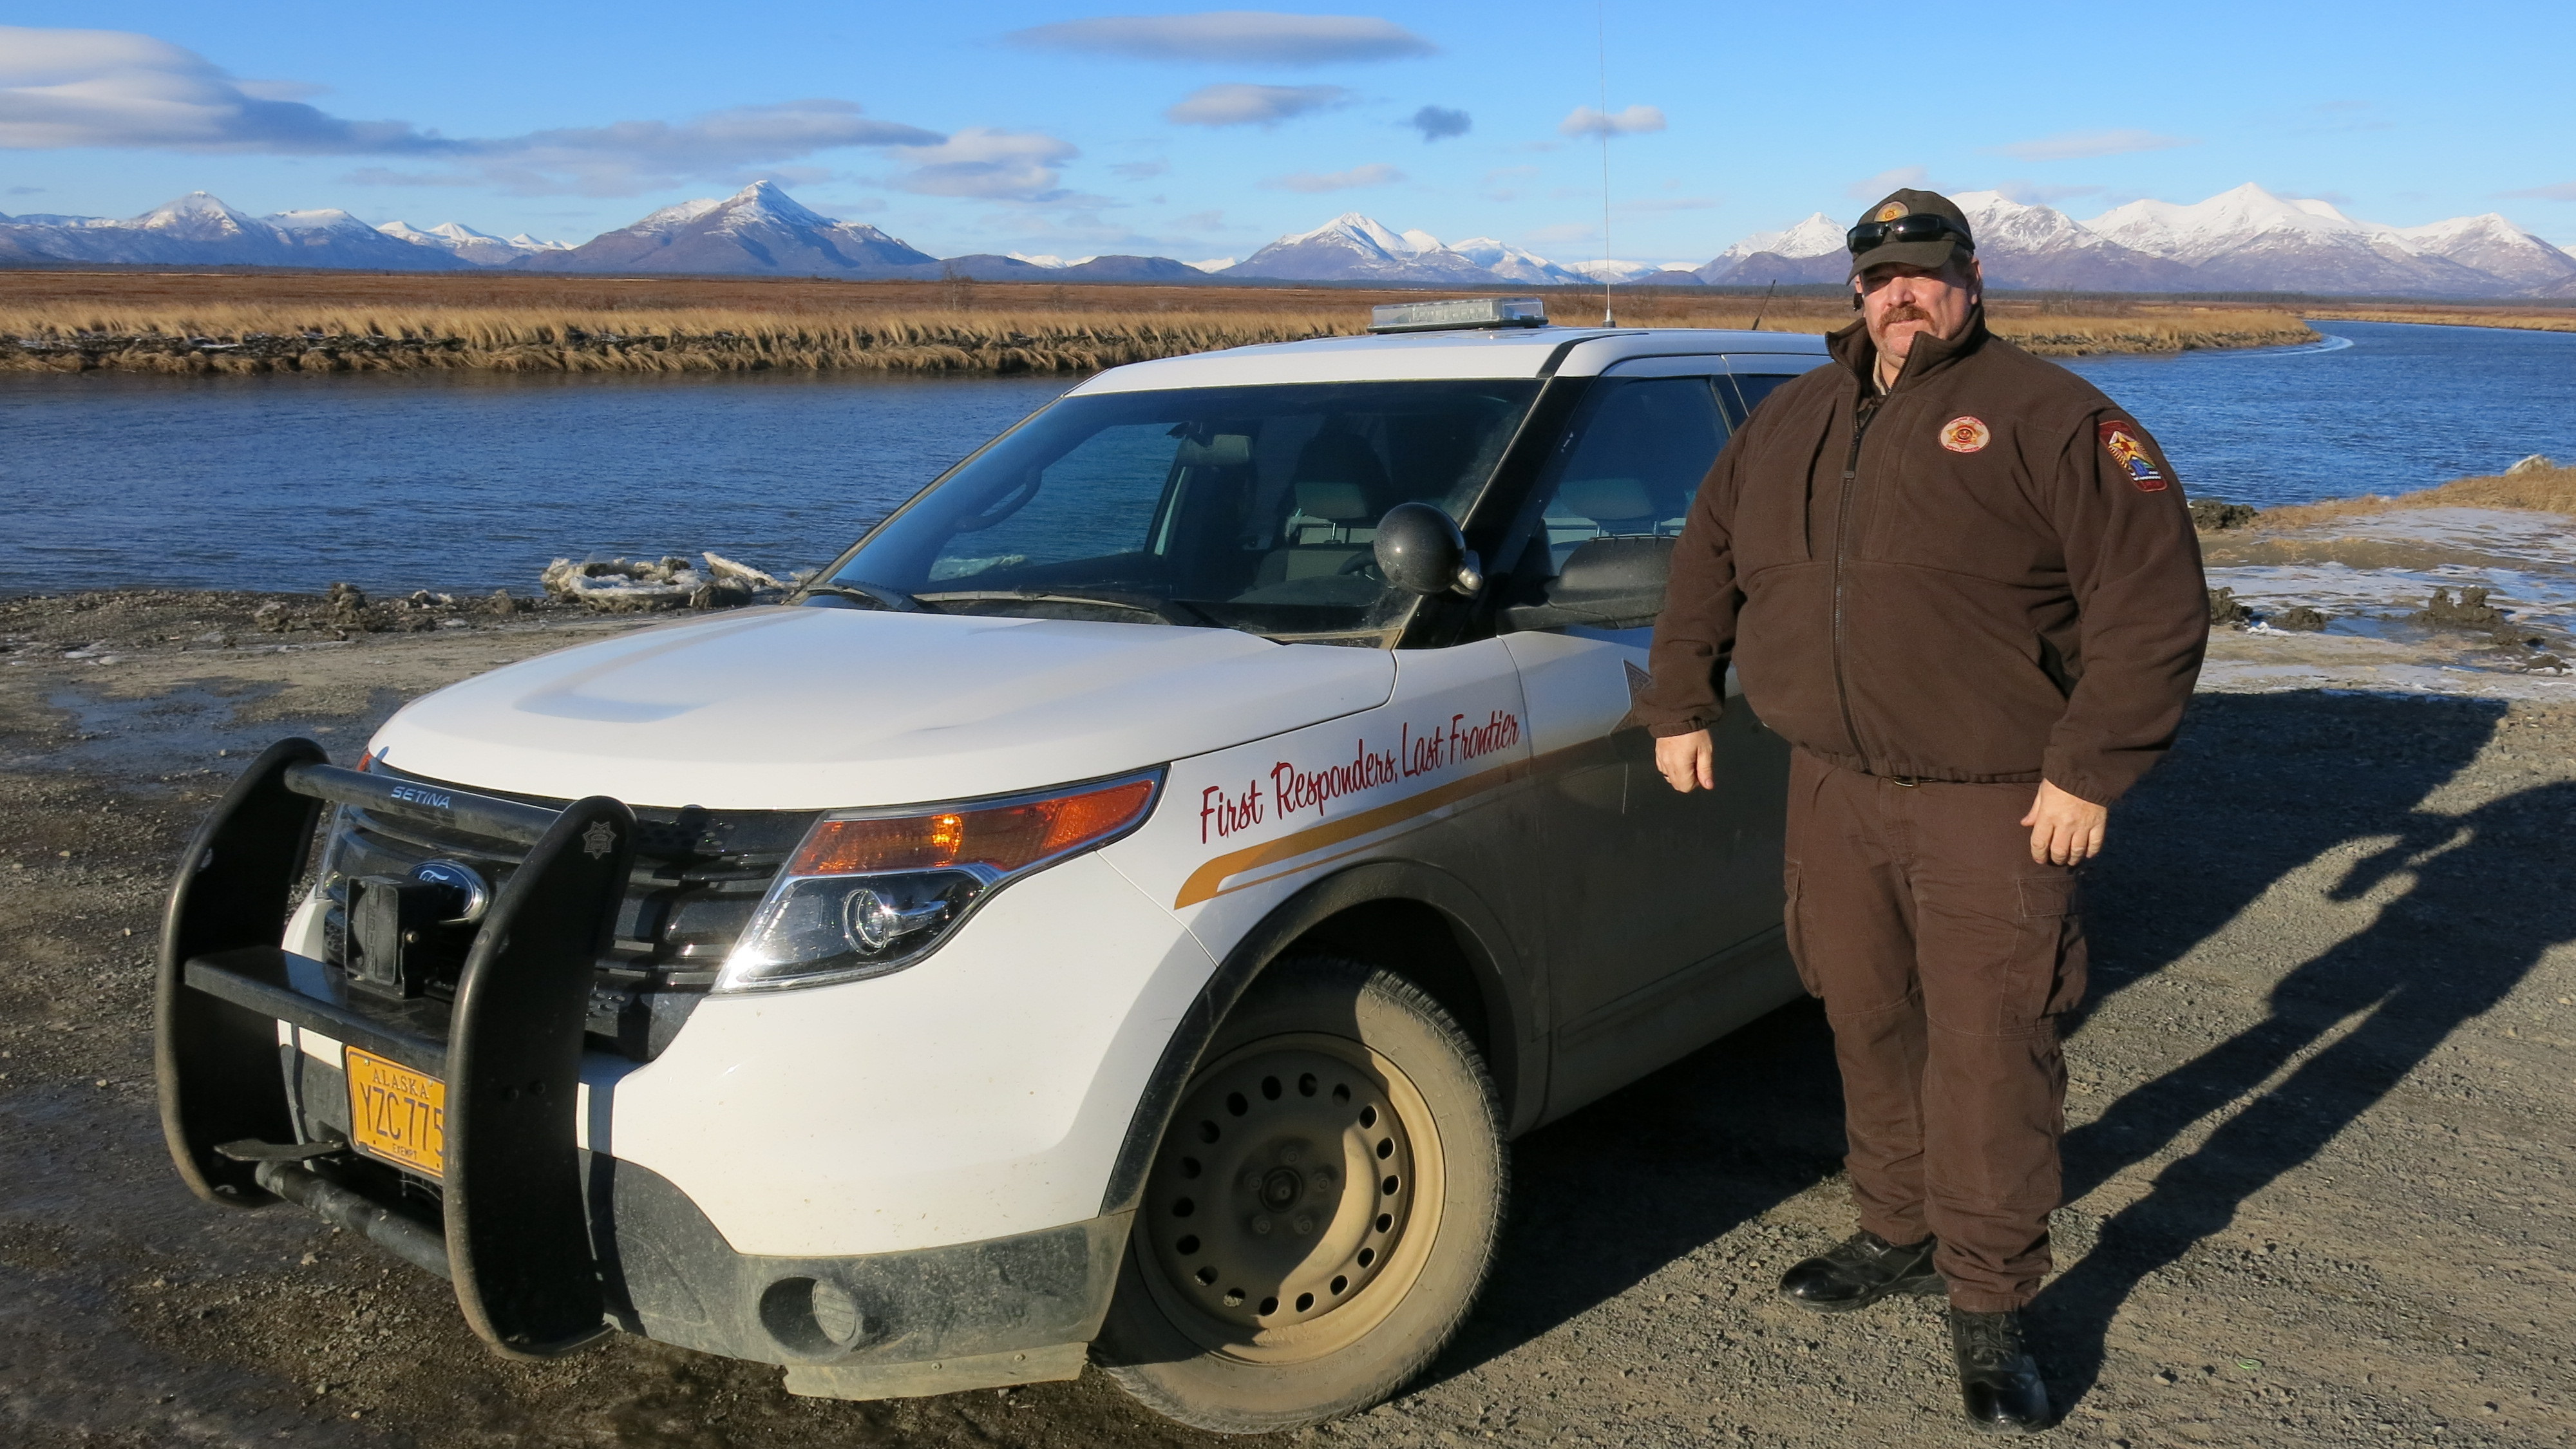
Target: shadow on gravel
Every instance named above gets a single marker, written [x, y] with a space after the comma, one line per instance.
[2261, 786]
[2277, 781]
[1651, 1173]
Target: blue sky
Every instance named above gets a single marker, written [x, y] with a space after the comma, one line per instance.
[1075, 130]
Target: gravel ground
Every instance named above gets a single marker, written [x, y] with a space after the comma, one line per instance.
[2318, 1166]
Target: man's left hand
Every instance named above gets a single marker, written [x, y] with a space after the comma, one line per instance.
[2064, 829]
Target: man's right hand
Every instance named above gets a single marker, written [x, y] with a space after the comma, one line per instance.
[1688, 762]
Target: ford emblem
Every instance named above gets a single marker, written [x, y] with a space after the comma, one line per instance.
[472, 891]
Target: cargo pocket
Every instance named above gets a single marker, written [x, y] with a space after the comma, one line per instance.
[2046, 977]
[1793, 927]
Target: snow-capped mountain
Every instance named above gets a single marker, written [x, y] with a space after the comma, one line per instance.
[481, 248]
[2246, 239]
[198, 229]
[1511, 263]
[1811, 251]
[2494, 246]
[759, 229]
[2040, 247]
[1356, 248]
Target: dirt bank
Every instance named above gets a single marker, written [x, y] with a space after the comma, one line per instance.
[2318, 1162]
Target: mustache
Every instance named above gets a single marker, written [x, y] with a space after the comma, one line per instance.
[1904, 312]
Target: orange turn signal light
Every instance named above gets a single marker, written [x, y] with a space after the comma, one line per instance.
[1003, 838]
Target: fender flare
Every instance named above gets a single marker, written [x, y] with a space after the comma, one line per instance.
[1515, 1004]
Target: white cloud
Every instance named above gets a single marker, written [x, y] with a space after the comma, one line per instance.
[1237, 104]
[66, 88]
[1375, 173]
[1233, 37]
[1435, 122]
[2078, 145]
[116, 89]
[2563, 191]
[1871, 188]
[1636, 120]
[1564, 231]
[988, 164]
[1141, 170]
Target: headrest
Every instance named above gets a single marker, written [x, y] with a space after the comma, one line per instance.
[1340, 502]
[1598, 498]
[1340, 458]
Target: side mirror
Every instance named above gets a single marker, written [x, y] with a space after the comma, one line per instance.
[1421, 552]
[1608, 583]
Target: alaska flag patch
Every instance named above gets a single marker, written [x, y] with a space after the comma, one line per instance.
[2131, 454]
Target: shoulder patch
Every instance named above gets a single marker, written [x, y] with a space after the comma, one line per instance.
[1965, 434]
[2131, 454]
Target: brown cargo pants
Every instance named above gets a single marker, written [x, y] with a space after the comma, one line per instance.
[1944, 957]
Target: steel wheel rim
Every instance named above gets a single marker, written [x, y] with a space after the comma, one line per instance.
[1331, 1146]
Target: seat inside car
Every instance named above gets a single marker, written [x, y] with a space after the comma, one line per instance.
[1336, 495]
[1590, 508]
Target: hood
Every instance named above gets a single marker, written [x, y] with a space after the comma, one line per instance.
[805, 708]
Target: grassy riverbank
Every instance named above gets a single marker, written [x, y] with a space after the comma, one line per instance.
[305, 322]
[2539, 490]
[2524, 318]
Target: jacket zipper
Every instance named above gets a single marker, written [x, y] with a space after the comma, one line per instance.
[1865, 409]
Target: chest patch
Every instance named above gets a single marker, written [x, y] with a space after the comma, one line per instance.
[1965, 435]
[2131, 455]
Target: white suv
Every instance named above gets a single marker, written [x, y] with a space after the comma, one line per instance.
[1119, 911]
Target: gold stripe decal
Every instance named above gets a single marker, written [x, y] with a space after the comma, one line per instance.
[1207, 882]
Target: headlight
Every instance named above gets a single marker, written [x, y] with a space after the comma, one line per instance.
[873, 891]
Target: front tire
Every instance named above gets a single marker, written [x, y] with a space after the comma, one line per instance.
[1322, 1212]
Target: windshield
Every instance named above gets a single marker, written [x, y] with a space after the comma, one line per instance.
[1227, 507]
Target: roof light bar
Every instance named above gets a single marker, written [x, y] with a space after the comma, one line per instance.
[1461, 313]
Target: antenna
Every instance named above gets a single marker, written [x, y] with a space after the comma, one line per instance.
[1766, 305]
[1601, 21]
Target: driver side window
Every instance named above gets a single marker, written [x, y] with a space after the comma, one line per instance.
[1638, 453]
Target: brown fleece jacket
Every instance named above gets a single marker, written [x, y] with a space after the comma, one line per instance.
[1986, 574]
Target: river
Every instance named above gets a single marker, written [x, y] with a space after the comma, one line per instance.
[475, 480]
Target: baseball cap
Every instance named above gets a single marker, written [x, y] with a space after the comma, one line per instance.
[1927, 253]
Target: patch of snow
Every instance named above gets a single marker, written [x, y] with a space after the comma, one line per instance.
[1816, 236]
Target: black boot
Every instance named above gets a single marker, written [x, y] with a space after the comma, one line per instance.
[1859, 1271]
[1999, 1381]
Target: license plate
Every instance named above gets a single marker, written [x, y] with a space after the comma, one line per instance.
[397, 1113]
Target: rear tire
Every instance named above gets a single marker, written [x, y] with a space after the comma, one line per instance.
[1322, 1212]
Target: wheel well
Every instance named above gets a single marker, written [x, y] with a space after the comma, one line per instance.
[1416, 941]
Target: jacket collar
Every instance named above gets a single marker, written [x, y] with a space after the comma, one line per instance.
[1859, 356]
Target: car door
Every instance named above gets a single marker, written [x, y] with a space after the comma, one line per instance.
[1661, 895]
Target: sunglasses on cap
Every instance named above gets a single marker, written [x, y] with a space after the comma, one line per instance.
[1922, 226]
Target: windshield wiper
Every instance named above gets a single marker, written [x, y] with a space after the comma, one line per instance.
[1170, 611]
[877, 594]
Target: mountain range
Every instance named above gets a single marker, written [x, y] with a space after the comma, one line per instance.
[2245, 240]
[2242, 240]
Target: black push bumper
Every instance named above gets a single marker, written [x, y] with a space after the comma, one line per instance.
[548, 1246]
[513, 1229]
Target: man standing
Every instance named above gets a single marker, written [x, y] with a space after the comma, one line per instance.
[1963, 584]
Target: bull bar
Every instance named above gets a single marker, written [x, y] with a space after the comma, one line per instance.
[512, 1231]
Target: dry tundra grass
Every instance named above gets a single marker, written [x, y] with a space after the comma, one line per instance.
[2542, 490]
[206, 322]
[2555, 319]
